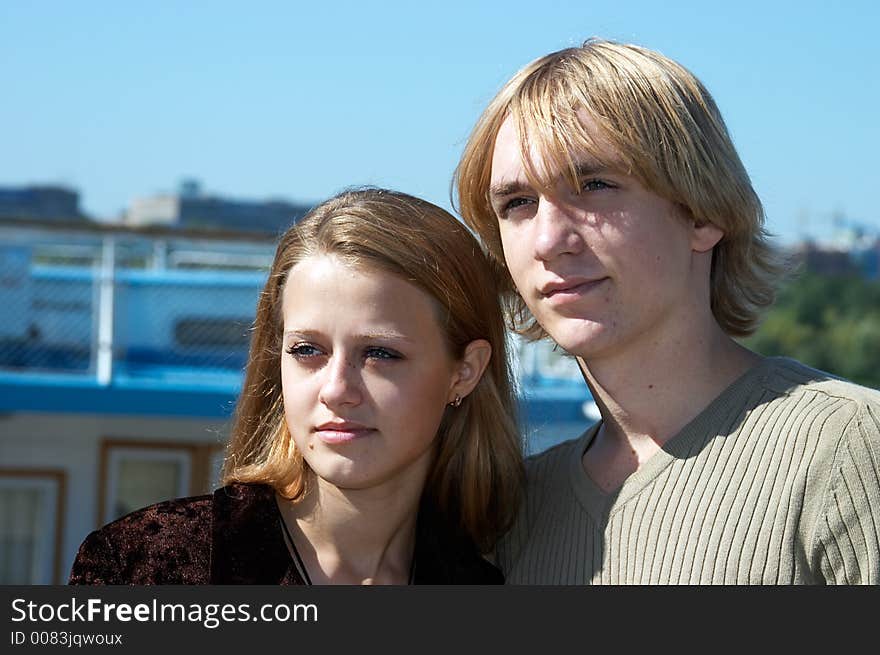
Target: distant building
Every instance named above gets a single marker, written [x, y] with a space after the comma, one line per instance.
[43, 203]
[852, 249]
[190, 209]
[868, 260]
[824, 260]
[858, 257]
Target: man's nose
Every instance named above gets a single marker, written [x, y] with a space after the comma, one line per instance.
[555, 230]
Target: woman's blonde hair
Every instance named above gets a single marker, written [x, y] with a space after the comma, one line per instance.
[663, 128]
[477, 473]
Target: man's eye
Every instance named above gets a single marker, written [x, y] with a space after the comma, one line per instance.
[381, 353]
[512, 205]
[595, 185]
[303, 350]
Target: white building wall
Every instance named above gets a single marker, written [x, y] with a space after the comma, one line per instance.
[155, 210]
[71, 442]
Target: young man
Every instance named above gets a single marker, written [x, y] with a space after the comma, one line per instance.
[604, 180]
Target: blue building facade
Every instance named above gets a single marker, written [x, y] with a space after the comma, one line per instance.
[120, 365]
[42, 203]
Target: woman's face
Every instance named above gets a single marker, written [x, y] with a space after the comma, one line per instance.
[366, 374]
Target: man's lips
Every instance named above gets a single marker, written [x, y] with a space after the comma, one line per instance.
[341, 432]
[570, 288]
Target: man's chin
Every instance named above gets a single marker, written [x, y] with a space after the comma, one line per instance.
[578, 337]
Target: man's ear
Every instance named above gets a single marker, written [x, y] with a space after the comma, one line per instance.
[705, 236]
[470, 368]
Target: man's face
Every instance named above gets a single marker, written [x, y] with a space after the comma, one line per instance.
[603, 269]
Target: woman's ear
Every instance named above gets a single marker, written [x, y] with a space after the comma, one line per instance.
[469, 369]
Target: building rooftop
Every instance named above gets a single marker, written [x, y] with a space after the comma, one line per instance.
[152, 323]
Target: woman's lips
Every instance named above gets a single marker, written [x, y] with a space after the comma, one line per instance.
[335, 434]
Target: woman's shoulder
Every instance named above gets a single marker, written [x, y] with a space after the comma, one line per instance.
[475, 569]
[166, 514]
[170, 542]
[445, 556]
[164, 543]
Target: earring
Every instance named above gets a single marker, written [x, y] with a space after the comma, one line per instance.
[456, 402]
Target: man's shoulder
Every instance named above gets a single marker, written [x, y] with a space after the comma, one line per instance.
[841, 491]
[548, 463]
[793, 378]
[838, 417]
[561, 450]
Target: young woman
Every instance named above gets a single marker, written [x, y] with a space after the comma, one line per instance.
[374, 440]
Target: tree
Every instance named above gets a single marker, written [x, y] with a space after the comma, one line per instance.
[828, 322]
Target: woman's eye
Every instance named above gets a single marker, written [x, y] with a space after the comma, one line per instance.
[376, 352]
[303, 350]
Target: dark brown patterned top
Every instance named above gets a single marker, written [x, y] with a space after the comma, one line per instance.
[233, 537]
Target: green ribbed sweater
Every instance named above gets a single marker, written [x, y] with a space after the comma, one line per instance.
[777, 481]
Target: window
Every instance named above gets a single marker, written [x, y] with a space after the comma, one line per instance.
[137, 474]
[212, 332]
[142, 476]
[31, 517]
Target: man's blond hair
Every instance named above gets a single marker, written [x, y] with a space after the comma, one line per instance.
[663, 128]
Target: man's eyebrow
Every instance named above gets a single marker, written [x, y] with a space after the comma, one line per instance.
[503, 189]
[584, 168]
[590, 167]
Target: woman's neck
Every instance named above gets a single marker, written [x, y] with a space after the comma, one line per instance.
[353, 536]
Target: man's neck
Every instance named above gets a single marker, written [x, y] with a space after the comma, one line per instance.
[646, 397]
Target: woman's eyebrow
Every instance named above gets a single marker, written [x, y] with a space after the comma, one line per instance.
[369, 335]
[389, 335]
[305, 334]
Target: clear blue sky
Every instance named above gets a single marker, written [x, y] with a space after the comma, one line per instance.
[297, 100]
